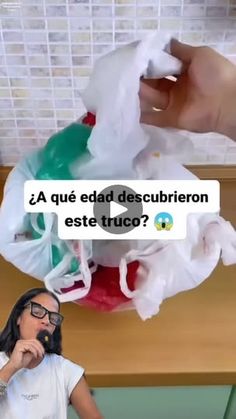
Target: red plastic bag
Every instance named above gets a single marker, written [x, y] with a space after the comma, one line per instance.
[105, 293]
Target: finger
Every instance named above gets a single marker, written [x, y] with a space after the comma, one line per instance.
[158, 119]
[182, 51]
[163, 85]
[154, 97]
[29, 348]
[145, 107]
[35, 347]
[35, 342]
[39, 347]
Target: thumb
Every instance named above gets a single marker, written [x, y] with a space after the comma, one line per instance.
[182, 51]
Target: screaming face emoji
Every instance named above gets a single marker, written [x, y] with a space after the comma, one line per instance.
[163, 221]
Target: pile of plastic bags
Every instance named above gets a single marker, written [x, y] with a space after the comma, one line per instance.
[114, 274]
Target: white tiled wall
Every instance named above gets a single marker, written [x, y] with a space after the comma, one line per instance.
[48, 48]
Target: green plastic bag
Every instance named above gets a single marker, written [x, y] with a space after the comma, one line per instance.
[62, 150]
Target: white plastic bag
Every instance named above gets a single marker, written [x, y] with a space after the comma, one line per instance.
[34, 255]
[166, 268]
[15, 245]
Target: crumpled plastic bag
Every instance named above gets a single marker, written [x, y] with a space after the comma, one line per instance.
[30, 241]
[167, 267]
[112, 94]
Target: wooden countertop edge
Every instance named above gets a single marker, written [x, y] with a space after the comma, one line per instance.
[219, 172]
[163, 379]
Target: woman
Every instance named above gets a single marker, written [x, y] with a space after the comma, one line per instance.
[36, 382]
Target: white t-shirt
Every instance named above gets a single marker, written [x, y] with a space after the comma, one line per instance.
[42, 392]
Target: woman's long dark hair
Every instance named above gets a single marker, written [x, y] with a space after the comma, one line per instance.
[10, 334]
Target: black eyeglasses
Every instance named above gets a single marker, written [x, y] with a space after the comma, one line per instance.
[38, 311]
